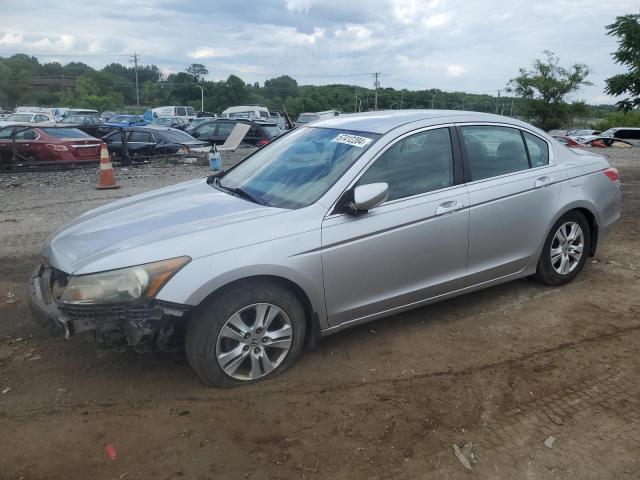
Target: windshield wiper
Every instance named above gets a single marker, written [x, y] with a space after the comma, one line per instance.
[239, 192]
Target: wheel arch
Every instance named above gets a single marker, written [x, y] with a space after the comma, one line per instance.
[589, 212]
[311, 316]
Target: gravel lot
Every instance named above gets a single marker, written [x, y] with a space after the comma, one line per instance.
[502, 369]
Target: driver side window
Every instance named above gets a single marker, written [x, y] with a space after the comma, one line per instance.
[416, 164]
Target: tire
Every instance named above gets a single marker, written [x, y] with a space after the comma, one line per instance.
[554, 273]
[224, 328]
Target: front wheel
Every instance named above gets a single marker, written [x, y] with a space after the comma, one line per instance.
[565, 251]
[245, 334]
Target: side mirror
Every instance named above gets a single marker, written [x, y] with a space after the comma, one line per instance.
[366, 197]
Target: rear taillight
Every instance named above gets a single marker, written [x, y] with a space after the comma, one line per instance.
[57, 148]
[262, 142]
[612, 174]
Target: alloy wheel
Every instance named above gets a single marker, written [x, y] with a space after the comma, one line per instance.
[567, 248]
[254, 341]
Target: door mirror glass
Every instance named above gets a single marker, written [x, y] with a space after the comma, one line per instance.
[366, 197]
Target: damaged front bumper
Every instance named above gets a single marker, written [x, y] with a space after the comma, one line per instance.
[145, 325]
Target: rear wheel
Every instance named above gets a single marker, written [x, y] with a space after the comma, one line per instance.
[565, 251]
[248, 333]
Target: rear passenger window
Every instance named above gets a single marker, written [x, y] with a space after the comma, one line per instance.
[494, 151]
[139, 137]
[181, 112]
[26, 135]
[538, 150]
[417, 164]
[206, 130]
[6, 133]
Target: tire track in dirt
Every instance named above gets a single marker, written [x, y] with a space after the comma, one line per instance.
[106, 408]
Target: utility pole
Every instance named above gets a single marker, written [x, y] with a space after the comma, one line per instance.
[376, 84]
[355, 107]
[201, 97]
[511, 113]
[401, 98]
[135, 57]
[498, 101]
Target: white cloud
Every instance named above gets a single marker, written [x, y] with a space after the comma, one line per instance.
[455, 70]
[205, 53]
[11, 39]
[297, 6]
[438, 20]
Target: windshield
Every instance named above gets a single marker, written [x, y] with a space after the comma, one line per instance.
[298, 168]
[608, 133]
[18, 117]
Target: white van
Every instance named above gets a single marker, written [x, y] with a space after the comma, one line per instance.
[252, 112]
[185, 112]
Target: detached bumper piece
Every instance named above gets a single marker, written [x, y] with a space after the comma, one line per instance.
[145, 325]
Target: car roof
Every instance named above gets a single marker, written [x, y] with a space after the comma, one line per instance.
[387, 120]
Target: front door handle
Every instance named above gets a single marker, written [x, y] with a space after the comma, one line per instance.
[448, 207]
[542, 182]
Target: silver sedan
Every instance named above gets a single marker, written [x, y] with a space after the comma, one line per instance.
[338, 223]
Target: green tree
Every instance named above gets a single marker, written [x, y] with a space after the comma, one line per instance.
[627, 29]
[545, 87]
[197, 71]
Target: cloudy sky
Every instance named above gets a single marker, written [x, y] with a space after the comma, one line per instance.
[462, 45]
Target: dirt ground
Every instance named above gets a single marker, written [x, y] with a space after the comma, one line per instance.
[502, 369]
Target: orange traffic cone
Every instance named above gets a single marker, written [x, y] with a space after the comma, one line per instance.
[107, 179]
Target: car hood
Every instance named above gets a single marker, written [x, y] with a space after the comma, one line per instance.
[185, 219]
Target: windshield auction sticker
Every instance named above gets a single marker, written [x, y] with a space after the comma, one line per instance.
[353, 140]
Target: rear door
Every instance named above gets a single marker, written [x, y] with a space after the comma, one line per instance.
[140, 144]
[253, 136]
[223, 132]
[26, 145]
[410, 248]
[6, 142]
[513, 188]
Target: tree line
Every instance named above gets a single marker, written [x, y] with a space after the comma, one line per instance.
[538, 94]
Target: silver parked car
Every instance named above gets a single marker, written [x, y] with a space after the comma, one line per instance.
[351, 219]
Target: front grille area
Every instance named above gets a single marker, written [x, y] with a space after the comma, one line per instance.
[130, 311]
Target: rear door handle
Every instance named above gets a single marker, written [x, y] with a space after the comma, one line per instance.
[542, 182]
[448, 207]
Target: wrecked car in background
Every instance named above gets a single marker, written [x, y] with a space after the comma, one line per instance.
[89, 124]
[41, 145]
[138, 144]
[217, 131]
[20, 118]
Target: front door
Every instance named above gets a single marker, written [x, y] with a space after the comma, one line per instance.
[410, 248]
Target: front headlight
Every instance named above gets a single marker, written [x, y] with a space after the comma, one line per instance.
[122, 285]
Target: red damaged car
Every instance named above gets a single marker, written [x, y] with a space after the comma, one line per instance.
[40, 145]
